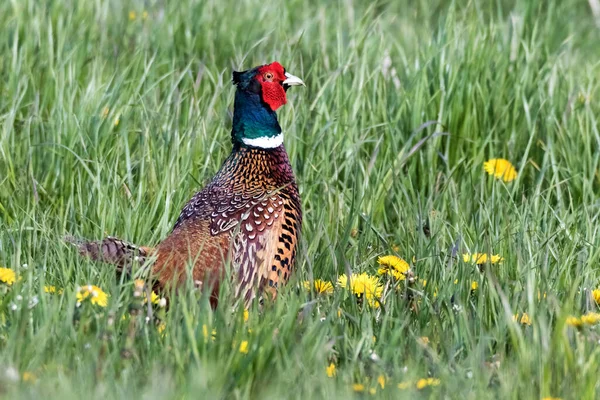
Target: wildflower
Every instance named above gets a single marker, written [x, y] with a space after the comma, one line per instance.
[330, 370]
[474, 285]
[482, 258]
[139, 291]
[145, 15]
[7, 276]
[525, 320]
[246, 315]
[132, 15]
[358, 387]
[423, 340]
[590, 318]
[394, 266]
[320, 286]
[596, 295]
[244, 347]
[574, 321]
[96, 295]
[404, 385]
[105, 112]
[162, 303]
[551, 398]
[363, 284]
[213, 333]
[424, 382]
[154, 299]
[117, 120]
[52, 290]
[29, 377]
[381, 381]
[161, 328]
[540, 295]
[501, 169]
[372, 391]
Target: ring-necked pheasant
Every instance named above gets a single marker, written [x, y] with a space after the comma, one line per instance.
[248, 215]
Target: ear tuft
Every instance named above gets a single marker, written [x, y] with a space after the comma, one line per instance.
[237, 77]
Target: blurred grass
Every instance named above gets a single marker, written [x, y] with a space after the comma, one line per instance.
[504, 79]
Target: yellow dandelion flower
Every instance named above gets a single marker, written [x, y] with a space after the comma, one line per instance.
[501, 169]
[213, 334]
[358, 387]
[474, 285]
[244, 347]
[96, 295]
[524, 319]
[161, 329]
[117, 120]
[320, 286]
[404, 385]
[246, 315]
[132, 15]
[373, 391]
[574, 321]
[591, 318]
[424, 282]
[330, 370]
[139, 290]
[29, 377]
[551, 398]
[482, 258]
[154, 298]
[456, 281]
[363, 284]
[433, 381]
[50, 289]
[596, 295]
[394, 266]
[424, 382]
[7, 276]
[381, 381]
[540, 295]
[421, 383]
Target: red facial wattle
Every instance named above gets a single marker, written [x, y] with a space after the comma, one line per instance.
[271, 77]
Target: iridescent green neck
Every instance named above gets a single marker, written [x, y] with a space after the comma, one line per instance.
[254, 123]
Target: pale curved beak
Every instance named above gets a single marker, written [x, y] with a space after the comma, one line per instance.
[292, 80]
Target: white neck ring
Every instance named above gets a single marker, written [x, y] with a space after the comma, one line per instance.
[264, 142]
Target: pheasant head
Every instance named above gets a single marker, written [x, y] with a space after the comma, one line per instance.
[260, 91]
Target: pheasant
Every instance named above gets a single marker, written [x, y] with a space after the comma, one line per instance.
[249, 216]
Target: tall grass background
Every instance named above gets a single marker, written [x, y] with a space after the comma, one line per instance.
[404, 102]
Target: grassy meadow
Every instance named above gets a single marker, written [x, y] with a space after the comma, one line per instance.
[113, 113]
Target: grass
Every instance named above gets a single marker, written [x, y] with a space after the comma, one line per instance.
[503, 79]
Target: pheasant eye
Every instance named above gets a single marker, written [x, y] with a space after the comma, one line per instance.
[268, 76]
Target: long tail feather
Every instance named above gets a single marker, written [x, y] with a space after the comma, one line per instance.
[111, 250]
